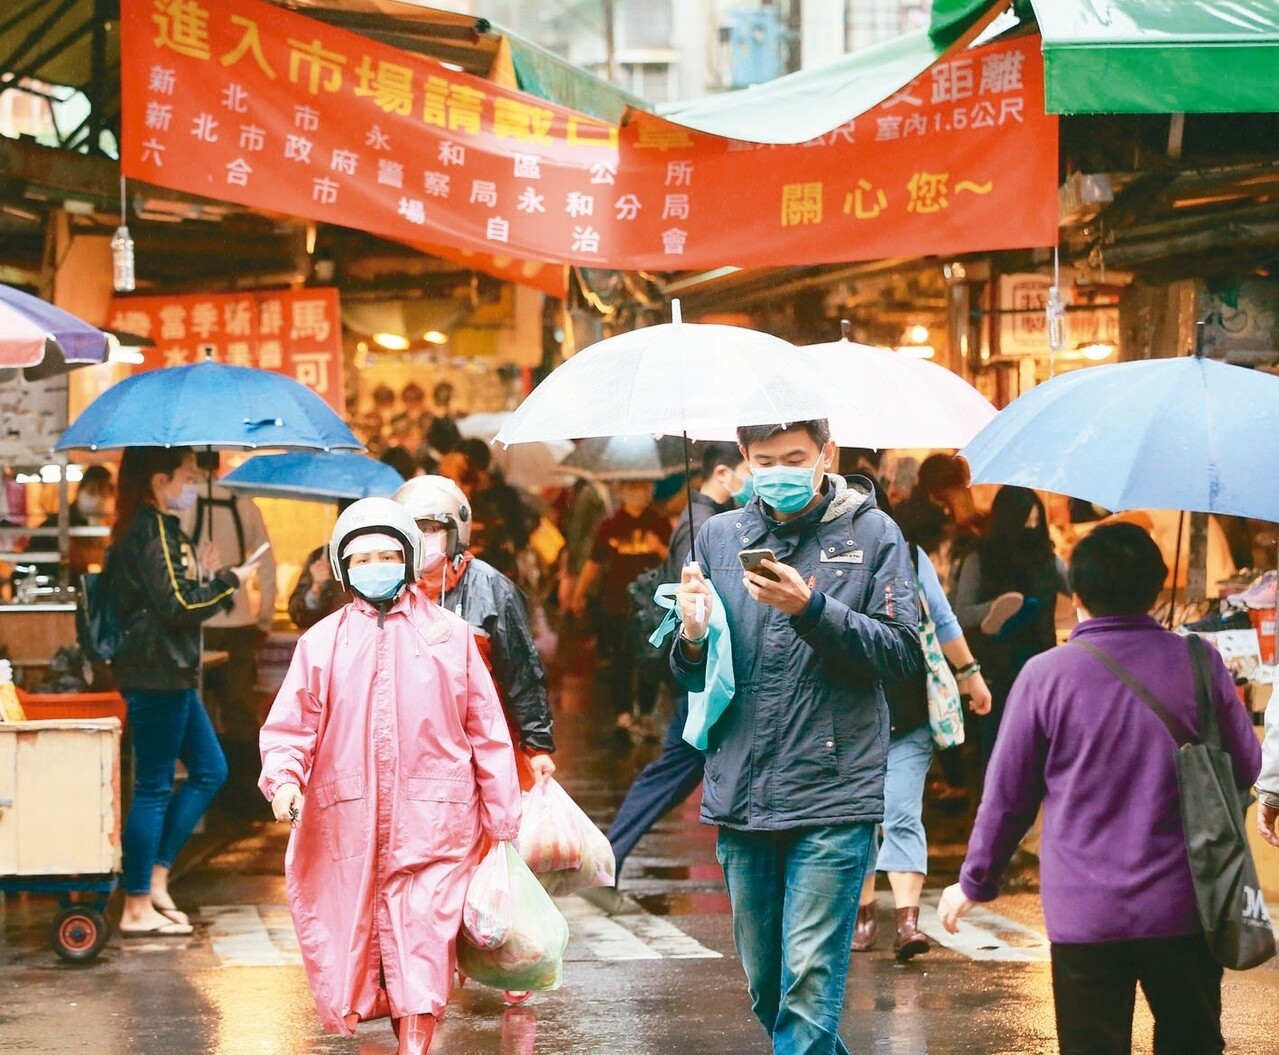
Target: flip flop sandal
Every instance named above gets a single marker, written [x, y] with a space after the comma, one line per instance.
[174, 913]
[163, 930]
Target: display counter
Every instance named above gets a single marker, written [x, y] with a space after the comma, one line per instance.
[34, 632]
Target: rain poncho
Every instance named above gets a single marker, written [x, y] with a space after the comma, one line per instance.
[396, 737]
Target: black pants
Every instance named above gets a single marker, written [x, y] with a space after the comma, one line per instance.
[1095, 987]
[631, 684]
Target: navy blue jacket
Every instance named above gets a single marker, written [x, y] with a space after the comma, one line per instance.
[805, 740]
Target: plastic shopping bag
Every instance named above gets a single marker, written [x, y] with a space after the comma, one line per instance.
[486, 915]
[598, 867]
[551, 839]
[532, 956]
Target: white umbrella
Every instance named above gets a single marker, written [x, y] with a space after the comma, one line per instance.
[529, 466]
[697, 379]
[899, 401]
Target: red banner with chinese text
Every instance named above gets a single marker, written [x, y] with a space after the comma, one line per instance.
[245, 102]
[293, 332]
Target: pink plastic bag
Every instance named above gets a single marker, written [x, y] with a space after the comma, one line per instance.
[551, 839]
[487, 912]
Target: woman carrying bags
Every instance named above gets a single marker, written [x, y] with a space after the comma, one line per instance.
[161, 604]
[387, 749]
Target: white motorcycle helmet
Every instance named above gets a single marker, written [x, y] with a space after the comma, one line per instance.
[440, 500]
[376, 516]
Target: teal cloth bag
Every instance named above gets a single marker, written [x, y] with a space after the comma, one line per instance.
[705, 708]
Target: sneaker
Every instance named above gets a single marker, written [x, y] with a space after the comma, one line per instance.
[1002, 608]
[612, 901]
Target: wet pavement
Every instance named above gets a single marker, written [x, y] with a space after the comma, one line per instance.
[660, 981]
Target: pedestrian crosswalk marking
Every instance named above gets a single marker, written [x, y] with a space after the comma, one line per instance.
[252, 935]
[984, 935]
[262, 936]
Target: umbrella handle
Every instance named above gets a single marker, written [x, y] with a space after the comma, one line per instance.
[688, 490]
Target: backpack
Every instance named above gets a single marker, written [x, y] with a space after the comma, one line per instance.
[97, 622]
[646, 617]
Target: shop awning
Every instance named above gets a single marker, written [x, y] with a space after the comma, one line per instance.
[1160, 56]
[809, 103]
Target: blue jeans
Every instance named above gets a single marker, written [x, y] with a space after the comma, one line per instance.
[905, 847]
[662, 785]
[794, 896]
[166, 726]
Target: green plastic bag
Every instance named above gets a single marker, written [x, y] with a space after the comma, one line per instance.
[532, 956]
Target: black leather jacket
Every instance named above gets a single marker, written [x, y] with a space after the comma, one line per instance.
[491, 603]
[160, 608]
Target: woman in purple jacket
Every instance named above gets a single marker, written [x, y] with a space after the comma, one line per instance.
[1118, 898]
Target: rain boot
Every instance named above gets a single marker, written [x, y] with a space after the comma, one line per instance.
[415, 1033]
[867, 929]
[910, 940]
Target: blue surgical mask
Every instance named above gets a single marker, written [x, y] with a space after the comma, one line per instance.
[744, 494]
[377, 582]
[787, 488]
[185, 499]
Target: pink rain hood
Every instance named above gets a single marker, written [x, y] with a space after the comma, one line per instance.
[397, 739]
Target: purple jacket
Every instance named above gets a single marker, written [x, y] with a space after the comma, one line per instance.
[1113, 863]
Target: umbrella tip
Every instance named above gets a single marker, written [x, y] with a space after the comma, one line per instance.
[677, 316]
[845, 328]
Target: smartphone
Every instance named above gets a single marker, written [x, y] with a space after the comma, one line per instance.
[256, 555]
[753, 560]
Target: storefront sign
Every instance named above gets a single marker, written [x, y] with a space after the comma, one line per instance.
[244, 102]
[1023, 330]
[293, 332]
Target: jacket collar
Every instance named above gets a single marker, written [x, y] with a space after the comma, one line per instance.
[839, 500]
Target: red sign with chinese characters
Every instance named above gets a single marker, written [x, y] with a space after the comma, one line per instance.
[245, 102]
[293, 332]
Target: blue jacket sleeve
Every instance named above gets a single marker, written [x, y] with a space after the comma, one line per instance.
[883, 641]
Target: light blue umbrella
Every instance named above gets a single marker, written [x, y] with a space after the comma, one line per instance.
[209, 405]
[1188, 434]
[313, 476]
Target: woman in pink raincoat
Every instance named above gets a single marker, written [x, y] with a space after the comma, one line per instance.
[388, 727]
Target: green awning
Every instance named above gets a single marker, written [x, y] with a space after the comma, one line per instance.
[1160, 56]
[809, 103]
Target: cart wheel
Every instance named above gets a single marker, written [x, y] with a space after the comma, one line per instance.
[78, 934]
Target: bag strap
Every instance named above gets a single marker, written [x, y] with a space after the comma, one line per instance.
[1142, 693]
[1209, 732]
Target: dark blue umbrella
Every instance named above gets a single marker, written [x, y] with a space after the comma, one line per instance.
[1188, 433]
[209, 405]
[313, 476]
[44, 340]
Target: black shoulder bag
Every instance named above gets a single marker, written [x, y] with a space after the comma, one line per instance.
[1231, 909]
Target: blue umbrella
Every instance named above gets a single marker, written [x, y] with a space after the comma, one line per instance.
[313, 476]
[42, 339]
[1188, 434]
[209, 405]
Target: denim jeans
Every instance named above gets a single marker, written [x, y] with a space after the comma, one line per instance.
[165, 727]
[794, 896]
[905, 846]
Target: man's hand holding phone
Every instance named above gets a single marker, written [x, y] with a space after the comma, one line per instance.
[769, 581]
[694, 598]
[250, 565]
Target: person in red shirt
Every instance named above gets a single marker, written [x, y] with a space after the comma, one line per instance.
[627, 544]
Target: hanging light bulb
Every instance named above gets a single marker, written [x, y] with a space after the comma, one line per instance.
[122, 272]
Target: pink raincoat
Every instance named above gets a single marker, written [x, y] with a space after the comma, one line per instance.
[397, 739]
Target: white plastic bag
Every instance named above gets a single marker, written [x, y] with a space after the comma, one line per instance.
[598, 867]
[486, 914]
[551, 838]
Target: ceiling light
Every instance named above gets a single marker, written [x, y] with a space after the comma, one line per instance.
[392, 342]
[917, 351]
[126, 353]
[918, 334]
[435, 337]
[1097, 352]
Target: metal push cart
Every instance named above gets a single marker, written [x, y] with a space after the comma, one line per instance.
[60, 823]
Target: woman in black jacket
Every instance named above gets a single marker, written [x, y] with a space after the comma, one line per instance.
[161, 605]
